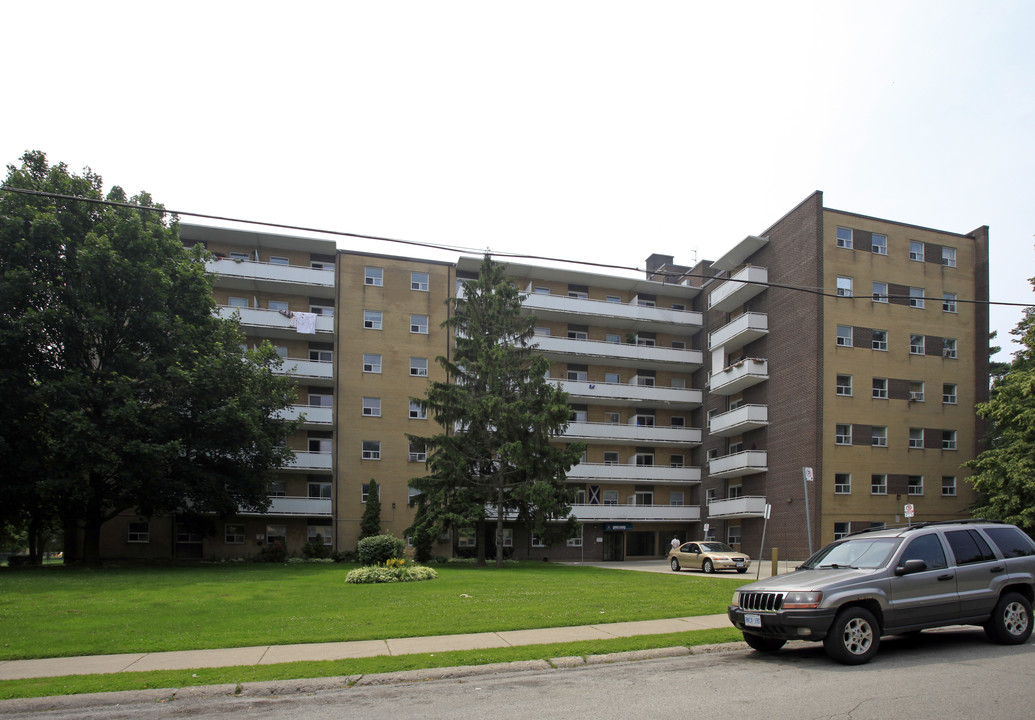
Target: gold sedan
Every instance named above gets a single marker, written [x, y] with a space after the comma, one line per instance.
[709, 556]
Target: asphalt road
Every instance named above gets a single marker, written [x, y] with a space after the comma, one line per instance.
[938, 675]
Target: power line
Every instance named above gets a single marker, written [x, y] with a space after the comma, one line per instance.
[460, 249]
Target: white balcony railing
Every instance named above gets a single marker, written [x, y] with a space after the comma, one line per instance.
[271, 277]
[318, 415]
[637, 513]
[635, 474]
[627, 394]
[745, 284]
[275, 324]
[619, 354]
[742, 420]
[740, 331]
[633, 434]
[739, 376]
[310, 461]
[297, 506]
[745, 506]
[297, 367]
[613, 314]
[738, 464]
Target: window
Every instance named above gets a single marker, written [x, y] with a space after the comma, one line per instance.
[277, 488]
[610, 458]
[1011, 542]
[733, 535]
[879, 340]
[916, 344]
[948, 439]
[319, 490]
[578, 294]
[678, 306]
[542, 331]
[613, 298]
[537, 541]
[374, 276]
[916, 391]
[239, 256]
[138, 533]
[678, 421]
[276, 533]
[417, 453]
[844, 335]
[844, 286]
[916, 438]
[644, 459]
[578, 333]
[675, 498]
[878, 484]
[467, 541]
[916, 250]
[578, 374]
[644, 301]
[949, 257]
[579, 415]
[612, 378]
[880, 244]
[419, 281]
[844, 238]
[508, 537]
[842, 434]
[419, 324]
[949, 348]
[324, 310]
[317, 265]
[317, 355]
[319, 534]
[541, 290]
[613, 338]
[916, 297]
[844, 385]
[419, 367]
[915, 485]
[840, 530]
[233, 534]
[678, 345]
[879, 436]
[968, 547]
[880, 388]
[842, 483]
[281, 351]
[880, 292]
[278, 305]
[612, 418]
[948, 302]
[949, 393]
[676, 461]
[371, 363]
[372, 319]
[678, 383]
[927, 548]
[575, 541]
[372, 407]
[643, 340]
[237, 302]
[319, 444]
[645, 420]
[418, 410]
[364, 494]
[371, 449]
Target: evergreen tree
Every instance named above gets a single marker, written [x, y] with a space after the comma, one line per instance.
[370, 523]
[498, 415]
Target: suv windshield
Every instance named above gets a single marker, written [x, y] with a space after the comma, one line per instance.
[859, 552]
[716, 547]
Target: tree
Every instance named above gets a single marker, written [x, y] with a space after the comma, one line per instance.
[122, 388]
[1004, 474]
[499, 415]
[370, 523]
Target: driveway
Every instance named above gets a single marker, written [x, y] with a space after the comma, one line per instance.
[660, 565]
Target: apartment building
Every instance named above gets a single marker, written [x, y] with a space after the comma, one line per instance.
[823, 372]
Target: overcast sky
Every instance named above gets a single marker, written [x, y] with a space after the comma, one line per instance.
[586, 130]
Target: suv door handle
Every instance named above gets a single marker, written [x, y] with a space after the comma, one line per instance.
[997, 569]
[945, 577]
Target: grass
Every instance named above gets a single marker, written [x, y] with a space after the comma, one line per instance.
[57, 612]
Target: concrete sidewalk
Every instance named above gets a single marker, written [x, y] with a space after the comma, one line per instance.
[271, 654]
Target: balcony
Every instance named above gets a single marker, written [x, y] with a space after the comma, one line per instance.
[634, 474]
[297, 506]
[272, 324]
[621, 316]
[630, 434]
[739, 421]
[317, 415]
[628, 394]
[739, 332]
[739, 507]
[309, 461]
[618, 355]
[739, 376]
[308, 369]
[636, 513]
[738, 464]
[740, 288]
[271, 278]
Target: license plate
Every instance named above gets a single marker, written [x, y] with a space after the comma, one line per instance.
[752, 620]
[740, 563]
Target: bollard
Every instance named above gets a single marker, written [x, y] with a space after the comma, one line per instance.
[776, 562]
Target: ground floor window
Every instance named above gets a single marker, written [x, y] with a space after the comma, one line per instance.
[139, 533]
[840, 530]
[275, 533]
[321, 531]
[233, 534]
[467, 541]
[733, 536]
[576, 541]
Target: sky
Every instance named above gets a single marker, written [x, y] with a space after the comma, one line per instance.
[600, 131]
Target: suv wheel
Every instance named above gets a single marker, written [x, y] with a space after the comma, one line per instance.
[763, 644]
[854, 637]
[1010, 623]
[675, 565]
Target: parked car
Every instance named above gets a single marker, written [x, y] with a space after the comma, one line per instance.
[896, 581]
[709, 556]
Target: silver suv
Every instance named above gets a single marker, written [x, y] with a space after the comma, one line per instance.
[891, 582]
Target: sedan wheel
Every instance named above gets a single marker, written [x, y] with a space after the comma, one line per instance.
[675, 565]
[708, 567]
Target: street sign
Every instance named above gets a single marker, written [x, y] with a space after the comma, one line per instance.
[768, 509]
[909, 511]
[807, 471]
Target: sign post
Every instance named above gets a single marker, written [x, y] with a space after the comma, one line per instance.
[807, 477]
[909, 512]
[765, 523]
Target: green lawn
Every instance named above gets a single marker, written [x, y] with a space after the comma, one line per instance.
[53, 612]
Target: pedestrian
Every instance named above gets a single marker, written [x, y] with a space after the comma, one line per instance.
[675, 543]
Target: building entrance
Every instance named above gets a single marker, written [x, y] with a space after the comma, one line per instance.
[614, 546]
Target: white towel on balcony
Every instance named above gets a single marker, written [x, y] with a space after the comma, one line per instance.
[305, 323]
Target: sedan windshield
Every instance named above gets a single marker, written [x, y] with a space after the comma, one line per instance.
[855, 553]
[716, 547]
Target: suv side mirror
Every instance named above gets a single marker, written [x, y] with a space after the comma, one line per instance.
[910, 567]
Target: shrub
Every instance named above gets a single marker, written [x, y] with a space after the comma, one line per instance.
[316, 549]
[381, 574]
[274, 552]
[345, 556]
[379, 549]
